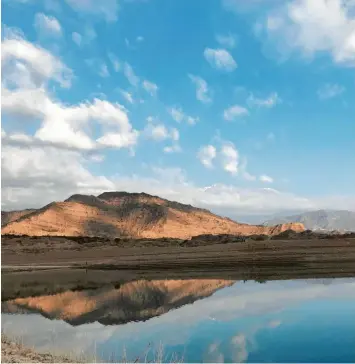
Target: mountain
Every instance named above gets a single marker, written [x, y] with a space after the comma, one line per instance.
[321, 220]
[134, 215]
[9, 216]
[133, 301]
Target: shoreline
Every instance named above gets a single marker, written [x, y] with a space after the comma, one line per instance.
[12, 351]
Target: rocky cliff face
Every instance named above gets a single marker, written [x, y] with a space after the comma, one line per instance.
[115, 214]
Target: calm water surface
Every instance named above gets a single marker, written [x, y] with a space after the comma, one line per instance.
[277, 321]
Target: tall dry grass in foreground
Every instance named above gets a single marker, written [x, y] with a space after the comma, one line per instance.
[13, 350]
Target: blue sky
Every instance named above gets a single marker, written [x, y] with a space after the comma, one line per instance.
[254, 101]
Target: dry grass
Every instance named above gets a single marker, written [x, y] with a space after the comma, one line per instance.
[14, 351]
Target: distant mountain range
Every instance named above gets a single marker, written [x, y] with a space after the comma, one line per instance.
[134, 215]
[321, 220]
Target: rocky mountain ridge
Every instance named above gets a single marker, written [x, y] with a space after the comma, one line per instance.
[320, 220]
[135, 215]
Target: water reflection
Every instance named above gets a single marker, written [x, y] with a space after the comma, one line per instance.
[279, 321]
[133, 301]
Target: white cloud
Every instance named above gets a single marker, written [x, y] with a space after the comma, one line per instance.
[35, 64]
[220, 59]
[24, 188]
[272, 100]
[311, 27]
[159, 132]
[175, 148]
[234, 112]
[203, 93]
[24, 94]
[127, 96]
[228, 40]
[174, 134]
[206, 155]
[156, 132]
[128, 71]
[27, 170]
[329, 90]
[140, 39]
[47, 25]
[230, 158]
[97, 158]
[77, 38]
[106, 9]
[266, 179]
[191, 120]
[177, 114]
[150, 87]
[244, 172]
[98, 66]
[103, 71]
[116, 64]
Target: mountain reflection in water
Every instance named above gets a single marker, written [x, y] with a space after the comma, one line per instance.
[278, 321]
[133, 301]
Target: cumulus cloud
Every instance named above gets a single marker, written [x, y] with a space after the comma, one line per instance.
[227, 157]
[230, 158]
[26, 64]
[220, 59]
[191, 120]
[150, 87]
[157, 131]
[27, 170]
[234, 112]
[329, 90]
[311, 27]
[47, 25]
[227, 40]
[270, 101]
[203, 93]
[106, 9]
[206, 155]
[177, 114]
[28, 71]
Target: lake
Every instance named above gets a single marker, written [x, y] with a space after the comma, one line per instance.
[193, 320]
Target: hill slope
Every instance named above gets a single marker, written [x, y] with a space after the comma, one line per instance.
[9, 216]
[326, 220]
[134, 215]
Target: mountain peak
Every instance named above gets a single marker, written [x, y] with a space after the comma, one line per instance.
[135, 215]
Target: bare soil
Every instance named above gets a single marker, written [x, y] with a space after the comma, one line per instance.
[13, 352]
[48, 265]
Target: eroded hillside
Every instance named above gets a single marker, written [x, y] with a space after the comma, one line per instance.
[115, 214]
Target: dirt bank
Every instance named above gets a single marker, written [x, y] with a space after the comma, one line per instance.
[13, 352]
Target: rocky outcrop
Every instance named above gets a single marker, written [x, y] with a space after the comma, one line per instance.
[135, 215]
